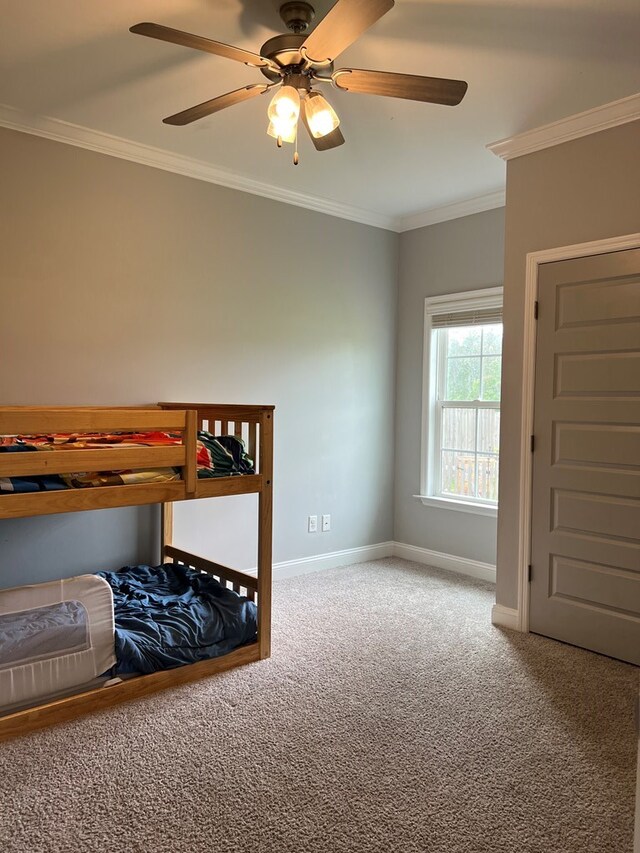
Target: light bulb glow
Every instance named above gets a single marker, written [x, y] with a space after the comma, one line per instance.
[285, 106]
[321, 117]
[286, 132]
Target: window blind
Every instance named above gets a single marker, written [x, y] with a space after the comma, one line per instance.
[471, 317]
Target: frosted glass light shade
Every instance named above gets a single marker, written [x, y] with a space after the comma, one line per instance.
[286, 132]
[285, 106]
[321, 117]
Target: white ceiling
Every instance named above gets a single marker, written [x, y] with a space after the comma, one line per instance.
[527, 64]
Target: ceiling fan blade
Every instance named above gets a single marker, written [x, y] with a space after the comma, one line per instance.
[326, 142]
[341, 26]
[157, 31]
[432, 90]
[216, 104]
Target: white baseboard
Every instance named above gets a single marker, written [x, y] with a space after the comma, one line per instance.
[505, 617]
[449, 562]
[350, 556]
[332, 560]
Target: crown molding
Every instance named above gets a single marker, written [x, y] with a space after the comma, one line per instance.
[147, 155]
[444, 213]
[158, 158]
[572, 127]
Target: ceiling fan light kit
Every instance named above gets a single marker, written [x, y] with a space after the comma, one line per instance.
[320, 114]
[283, 113]
[295, 63]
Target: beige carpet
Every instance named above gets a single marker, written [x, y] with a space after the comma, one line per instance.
[392, 718]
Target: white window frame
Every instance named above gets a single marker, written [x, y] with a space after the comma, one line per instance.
[488, 297]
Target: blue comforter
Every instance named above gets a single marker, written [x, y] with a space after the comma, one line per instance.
[171, 615]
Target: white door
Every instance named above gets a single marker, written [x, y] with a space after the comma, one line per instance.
[585, 552]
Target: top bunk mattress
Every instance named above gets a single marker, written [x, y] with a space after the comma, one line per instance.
[217, 456]
[53, 637]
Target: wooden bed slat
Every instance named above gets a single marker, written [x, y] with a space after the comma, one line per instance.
[243, 484]
[19, 505]
[77, 500]
[65, 461]
[15, 421]
[220, 412]
[211, 567]
[253, 432]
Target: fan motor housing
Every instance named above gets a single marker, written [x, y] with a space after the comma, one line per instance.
[285, 50]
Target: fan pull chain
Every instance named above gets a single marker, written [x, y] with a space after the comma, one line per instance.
[279, 142]
[296, 158]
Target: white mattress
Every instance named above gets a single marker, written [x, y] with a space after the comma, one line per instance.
[54, 637]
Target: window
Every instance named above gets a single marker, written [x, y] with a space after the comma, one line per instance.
[461, 410]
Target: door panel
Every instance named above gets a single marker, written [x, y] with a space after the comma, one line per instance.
[596, 445]
[589, 303]
[609, 517]
[585, 551]
[604, 587]
[612, 374]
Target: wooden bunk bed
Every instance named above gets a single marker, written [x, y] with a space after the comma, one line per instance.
[254, 424]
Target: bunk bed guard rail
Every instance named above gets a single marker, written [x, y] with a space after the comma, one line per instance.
[250, 423]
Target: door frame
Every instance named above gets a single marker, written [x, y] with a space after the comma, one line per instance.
[525, 502]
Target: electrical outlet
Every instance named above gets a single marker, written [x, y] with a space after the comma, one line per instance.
[326, 523]
[313, 524]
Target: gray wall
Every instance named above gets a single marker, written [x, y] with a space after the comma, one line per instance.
[122, 284]
[583, 190]
[450, 257]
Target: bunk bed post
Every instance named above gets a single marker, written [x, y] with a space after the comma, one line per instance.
[265, 534]
[190, 471]
[166, 531]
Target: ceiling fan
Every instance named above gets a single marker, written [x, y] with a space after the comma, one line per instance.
[296, 64]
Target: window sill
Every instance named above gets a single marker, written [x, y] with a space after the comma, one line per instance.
[459, 506]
